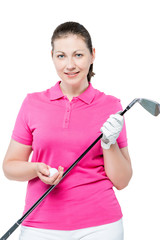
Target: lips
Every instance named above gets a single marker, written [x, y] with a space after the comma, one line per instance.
[72, 74]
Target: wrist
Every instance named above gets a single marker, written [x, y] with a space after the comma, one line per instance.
[104, 145]
[108, 146]
[112, 147]
[35, 168]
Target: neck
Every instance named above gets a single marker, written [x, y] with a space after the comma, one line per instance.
[73, 90]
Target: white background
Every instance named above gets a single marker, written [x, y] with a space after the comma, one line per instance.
[126, 35]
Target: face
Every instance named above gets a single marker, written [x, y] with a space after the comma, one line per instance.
[72, 59]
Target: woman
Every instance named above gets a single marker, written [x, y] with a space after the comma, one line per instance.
[57, 125]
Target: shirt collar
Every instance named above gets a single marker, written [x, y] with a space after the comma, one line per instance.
[87, 96]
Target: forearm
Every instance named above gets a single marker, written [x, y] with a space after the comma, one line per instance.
[20, 170]
[117, 166]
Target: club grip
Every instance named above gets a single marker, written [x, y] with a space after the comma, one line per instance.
[10, 231]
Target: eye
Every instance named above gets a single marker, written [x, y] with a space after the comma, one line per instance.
[60, 56]
[79, 55]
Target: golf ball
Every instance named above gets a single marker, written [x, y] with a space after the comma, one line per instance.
[52, 171]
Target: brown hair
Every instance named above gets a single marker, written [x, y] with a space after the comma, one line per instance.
[67, 28]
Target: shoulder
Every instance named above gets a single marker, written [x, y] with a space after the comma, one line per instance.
[35, 100]
[107, 103]
[102, 96]
[41, 96]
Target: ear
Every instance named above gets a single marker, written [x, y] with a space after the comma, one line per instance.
[51, 53]
[93, 54]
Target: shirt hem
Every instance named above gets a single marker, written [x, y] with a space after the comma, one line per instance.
[71, 227]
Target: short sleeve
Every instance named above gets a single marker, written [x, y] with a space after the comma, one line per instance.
[21, 132]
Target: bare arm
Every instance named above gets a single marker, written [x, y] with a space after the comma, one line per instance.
[16, 165]
[117, 165]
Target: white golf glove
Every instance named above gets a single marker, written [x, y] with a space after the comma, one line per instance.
[111, 130]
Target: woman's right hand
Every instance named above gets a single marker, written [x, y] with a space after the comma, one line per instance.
[17, 167]
[43, 173]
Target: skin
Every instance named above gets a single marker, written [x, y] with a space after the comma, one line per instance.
[16, 166]
[70, 55]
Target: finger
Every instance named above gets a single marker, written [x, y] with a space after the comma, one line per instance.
[105, 132]
[44, 170]
[61, 171]
[57, 176]
[54, 179]
[117, 117]
[113, 124]
[50, 180]
[109, 127]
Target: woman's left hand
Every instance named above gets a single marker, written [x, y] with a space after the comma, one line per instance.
[111, 130]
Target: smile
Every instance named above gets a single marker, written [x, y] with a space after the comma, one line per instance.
[71, 74]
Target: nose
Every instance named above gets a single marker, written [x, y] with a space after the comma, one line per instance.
[70, 64]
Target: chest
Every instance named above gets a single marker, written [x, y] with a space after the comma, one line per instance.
[66, 129]
[66, 121]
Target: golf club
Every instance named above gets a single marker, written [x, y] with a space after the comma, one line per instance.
[151, 106]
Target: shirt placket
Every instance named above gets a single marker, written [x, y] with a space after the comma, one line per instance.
[67, 114]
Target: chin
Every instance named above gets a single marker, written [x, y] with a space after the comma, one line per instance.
[73, 81]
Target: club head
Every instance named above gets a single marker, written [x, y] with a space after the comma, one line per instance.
[151, 106]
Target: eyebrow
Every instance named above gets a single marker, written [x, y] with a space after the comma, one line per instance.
[73, 52]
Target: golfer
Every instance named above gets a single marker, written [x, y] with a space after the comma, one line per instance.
[53, 128]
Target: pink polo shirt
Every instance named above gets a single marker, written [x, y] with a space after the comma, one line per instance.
[59, 132]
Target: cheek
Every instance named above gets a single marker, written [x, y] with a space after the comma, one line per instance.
[59, 65]
[84, 64]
